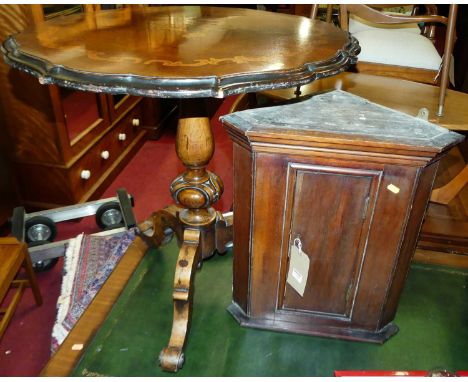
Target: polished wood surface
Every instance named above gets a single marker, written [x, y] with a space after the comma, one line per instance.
[445, 228]
[425, 76]
[445, 194]
[331, 172]
[221, 50]
[374, 15]
[197, 189]
[445, 259]
[342, 217]
[172, 356]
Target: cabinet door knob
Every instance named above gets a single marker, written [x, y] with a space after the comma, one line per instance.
[122, 137]
[105, 154]
[85, 174]
[136, 121]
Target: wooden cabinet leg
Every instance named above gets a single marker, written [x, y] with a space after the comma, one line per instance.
[172, 356]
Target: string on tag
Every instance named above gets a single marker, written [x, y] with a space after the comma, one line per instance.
[298, 244]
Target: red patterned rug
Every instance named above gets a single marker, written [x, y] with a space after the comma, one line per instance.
[88, 262]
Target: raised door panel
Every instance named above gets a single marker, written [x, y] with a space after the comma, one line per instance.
[330, 215]
[82, 117]
[82, 112]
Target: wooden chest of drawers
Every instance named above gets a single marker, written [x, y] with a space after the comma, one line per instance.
[62, 146]
[348, 183]
[81, 176]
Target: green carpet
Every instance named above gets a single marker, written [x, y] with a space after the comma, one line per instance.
[432, 316]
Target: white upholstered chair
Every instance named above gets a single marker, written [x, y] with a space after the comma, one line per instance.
[394, 45]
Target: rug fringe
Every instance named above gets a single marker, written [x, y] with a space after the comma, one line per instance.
[71, 257]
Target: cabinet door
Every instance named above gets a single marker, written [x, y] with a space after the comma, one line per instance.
[81, 117]
[330, 211]
[84, 113]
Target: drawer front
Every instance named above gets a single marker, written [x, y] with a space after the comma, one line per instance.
[99, 158]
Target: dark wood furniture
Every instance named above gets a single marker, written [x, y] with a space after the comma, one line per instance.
[187, 53]
[444, 235]
[8, 197]
[65, 146]
[351, 181]
[14, 256]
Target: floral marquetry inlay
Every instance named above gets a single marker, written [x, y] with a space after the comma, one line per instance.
[101, 56]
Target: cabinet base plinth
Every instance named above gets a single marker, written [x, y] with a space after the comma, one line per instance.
[344, 333]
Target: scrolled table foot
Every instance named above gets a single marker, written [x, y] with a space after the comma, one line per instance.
[171, 359]
[172, 356]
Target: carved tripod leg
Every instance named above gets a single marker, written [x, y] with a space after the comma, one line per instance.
[223, 234]
[172, 356]
[161, 224]
[196, 190]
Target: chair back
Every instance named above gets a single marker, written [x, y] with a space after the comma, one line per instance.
[374, 15]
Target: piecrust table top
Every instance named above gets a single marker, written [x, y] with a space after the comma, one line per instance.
[184, 51]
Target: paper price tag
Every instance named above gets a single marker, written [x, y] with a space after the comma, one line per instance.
[298, 269]
[393, 188]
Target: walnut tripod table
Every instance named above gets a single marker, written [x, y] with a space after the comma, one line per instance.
[201, 229]
[190, 53]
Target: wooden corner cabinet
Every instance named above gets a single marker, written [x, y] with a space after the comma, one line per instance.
[345, 181]
[65, 146]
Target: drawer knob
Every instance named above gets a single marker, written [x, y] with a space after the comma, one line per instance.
[85, 174]
[105, 155]
[122, 137]
[136, 121]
